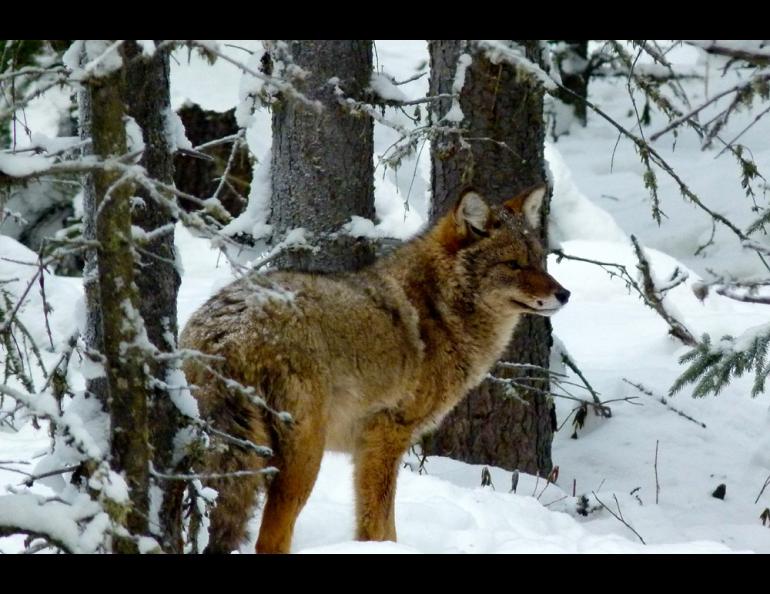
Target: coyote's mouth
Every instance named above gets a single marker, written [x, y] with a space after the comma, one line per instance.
[541, 312]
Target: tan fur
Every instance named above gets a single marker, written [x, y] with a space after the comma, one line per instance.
[364, 362]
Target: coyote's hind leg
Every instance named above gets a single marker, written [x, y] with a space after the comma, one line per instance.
[298, 451]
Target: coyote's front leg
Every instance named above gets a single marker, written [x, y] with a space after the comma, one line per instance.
[381, 443]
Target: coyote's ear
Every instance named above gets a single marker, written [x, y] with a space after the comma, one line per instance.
[471, 214]
[528, 203]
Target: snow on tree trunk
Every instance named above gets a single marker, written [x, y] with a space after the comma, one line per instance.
[114, 327]
[499, 104]
[148, 102]
[322, 166]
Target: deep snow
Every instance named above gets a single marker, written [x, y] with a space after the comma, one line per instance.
[599, 200]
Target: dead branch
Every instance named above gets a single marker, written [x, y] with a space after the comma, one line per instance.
[731, 293]
[657, 483]
[647, 392]
[619, 518]
[653, 298]
[755, 58]
[269, 471]
[567, 360]
[762, 490]
[618, 270]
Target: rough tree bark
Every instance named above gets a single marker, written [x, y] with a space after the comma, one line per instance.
[500, 105]
[200, 177]
[322, 166]
[112, 299]
[147, 100]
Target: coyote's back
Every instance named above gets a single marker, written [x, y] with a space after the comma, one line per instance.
[364, 362]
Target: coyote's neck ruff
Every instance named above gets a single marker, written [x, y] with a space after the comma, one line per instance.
[365, 362]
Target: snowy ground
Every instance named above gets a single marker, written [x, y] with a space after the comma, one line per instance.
[599, 200]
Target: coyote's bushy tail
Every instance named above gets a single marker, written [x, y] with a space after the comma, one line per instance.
[230, 412]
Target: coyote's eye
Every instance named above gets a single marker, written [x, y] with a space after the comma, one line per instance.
[513, 265]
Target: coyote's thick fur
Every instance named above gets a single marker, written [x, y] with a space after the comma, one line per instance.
[364, 362]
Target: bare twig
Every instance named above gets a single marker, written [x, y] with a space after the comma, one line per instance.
[657, 482]
[41, 266]
[688, 116]
[218, 141]
[46, 306]
[233, 153]
[282, 85]
[600, 408]
[35, 477]
[762, 490]
[614, 269]
[567, 360]
[417, 76]
[556, 501]
[31, 70]
[269, 471]
[729, 287]
[246, 444]
[418, 101]
[731, 293]
[662, 400]
[758, 117]
[618, 517]
[757, 58]
[647, 152]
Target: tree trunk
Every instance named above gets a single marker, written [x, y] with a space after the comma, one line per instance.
[200, 177]
[571, 60]
[147, 101]
[501, 104]
[322, 162]
[113, 300]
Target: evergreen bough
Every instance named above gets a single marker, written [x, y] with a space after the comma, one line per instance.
[713, 366]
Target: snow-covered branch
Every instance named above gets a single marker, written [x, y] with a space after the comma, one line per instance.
[755, 52]
[284, 86]
[73, 527]
[712, 366]
[649, 293]
[497, 51]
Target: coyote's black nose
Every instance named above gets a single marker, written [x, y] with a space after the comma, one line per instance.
[562, 295]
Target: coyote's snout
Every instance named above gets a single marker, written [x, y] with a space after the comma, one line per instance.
[365, 362]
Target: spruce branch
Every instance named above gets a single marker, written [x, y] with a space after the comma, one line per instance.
[712, 367]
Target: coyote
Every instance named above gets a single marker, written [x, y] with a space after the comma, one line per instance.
[364, 362]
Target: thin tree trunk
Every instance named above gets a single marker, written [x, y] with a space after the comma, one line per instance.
[113, 300]
[500, 105]
[572, 63]
[322, 162]
[148, 102]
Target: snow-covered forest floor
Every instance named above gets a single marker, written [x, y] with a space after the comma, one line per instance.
[599, 200]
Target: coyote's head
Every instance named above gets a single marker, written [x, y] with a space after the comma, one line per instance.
[499, 252]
